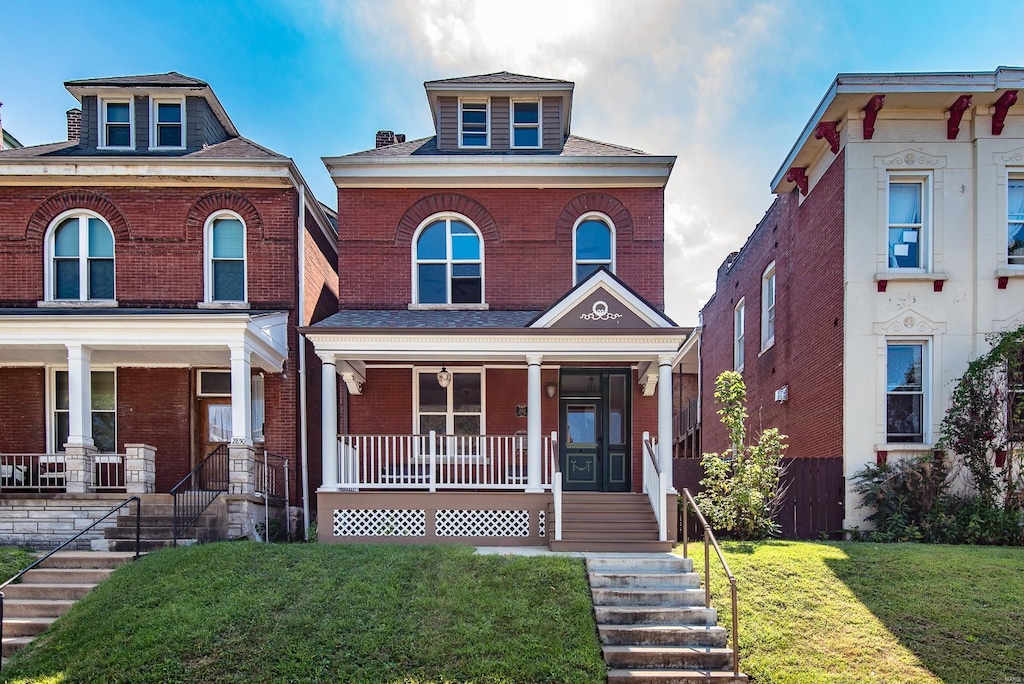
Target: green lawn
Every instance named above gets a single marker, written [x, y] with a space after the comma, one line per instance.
[859, 613]
[12, 560]
[246, 612]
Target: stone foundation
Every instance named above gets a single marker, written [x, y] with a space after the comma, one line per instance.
[44, 522]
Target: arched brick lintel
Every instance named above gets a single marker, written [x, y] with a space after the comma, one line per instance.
[219, 201]
[446, 202]
[66, 200]
[593, 201]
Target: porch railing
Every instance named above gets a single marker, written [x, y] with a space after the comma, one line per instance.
[655, 485]
[556, 482]
[434, 461]
[48, 473]
[108, 473]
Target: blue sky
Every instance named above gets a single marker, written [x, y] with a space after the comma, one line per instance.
[727, 86]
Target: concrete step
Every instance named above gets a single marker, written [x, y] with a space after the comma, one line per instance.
[645, 580]
[145, 545]
[663, 635]
[648, 597]
[25, 608]
[653, 615]
[646, 563]
[610, 545]
[86, 559]
[159, 520]
[668, 657]
[627, 676]
[66, 575]
[203, 534]
[13, 644]
[27, 626]
[70, 592]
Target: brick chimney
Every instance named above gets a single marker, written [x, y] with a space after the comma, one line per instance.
[75, 124]
[385, 138]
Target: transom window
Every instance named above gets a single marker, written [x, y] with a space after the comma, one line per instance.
[104, 410]
[593, 246]
[116, 125]
[1015, 222]
[738, 334]
[449, 263]
[526, 124]
[453, 410]
[81, 264]
[907, 218]
[168, 124]
[768, 307]
[225, 248]
[905, 392]
[473, 123]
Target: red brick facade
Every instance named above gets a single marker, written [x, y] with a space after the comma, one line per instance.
[22, 411]
[805, 240]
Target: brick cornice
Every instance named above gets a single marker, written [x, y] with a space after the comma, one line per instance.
[220, 200]
[593, 201]
[66, 200]
[441, 203]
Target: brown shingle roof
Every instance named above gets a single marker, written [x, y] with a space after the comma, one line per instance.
[170, 79]
[574, 146]
[498, 77]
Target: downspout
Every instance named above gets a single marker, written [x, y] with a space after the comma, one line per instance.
[303, 437]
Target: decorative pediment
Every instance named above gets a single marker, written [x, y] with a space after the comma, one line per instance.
[909, 159]
[909, 322]
[602, 302]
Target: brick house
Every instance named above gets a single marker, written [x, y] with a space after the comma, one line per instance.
[499, 335]
[157, 266]
[892, 249]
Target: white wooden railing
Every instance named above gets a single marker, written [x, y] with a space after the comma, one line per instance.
[556, 482]
[434, 461]
[655, 485]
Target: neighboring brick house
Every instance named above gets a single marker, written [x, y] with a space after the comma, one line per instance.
[892, 249]
[500, 318]
[156, 268]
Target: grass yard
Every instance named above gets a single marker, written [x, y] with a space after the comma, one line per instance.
[12, 560]
[861, 613]
[246, 612]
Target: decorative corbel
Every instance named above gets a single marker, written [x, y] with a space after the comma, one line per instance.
[648, 378]
[956, 114]
[1002, 105]
[353, 374]
[871, 110]
[829, 131]
[798, 175]
[881, 285]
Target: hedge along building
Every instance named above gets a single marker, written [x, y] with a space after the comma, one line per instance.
[500, 333]
[157, 266]
[893, 248]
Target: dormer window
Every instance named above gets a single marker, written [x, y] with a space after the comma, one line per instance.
[168, 122]
[116, 127]
[474, 129]
[526, 124]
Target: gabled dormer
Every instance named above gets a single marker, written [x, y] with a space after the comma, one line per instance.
[156, 113]
[500, 112]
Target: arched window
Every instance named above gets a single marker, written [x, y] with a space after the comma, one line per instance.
[225, 258]
[80, 258]
[448, 255]
[593, 245]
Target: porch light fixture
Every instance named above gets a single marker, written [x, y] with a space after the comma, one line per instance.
[444, 378]
[551, 388]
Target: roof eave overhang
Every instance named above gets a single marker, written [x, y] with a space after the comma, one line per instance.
[161, 170]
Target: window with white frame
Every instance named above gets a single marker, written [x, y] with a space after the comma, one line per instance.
[225, 258]
[768, 307]
[1015, 222]
[593, 245]
[737, 339]
[448, 256]
[474, 128]
[217, 383]
[526, 123]
[905, 392]
[117, 126]
[908, 222]
[167, 123]
[80, 258]
[457, 409]
[104, 410]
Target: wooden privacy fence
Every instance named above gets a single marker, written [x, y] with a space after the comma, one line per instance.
[813, 504]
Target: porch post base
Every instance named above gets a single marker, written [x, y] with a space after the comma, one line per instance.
[241, 469]
[78, 467]
[139, 468]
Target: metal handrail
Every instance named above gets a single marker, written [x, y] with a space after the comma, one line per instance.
[138, 536]
[710, 541]
[186, 513]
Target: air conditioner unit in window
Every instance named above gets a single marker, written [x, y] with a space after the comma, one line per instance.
[782, 394]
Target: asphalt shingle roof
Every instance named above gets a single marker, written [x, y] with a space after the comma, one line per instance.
[498, 77]
[404, 318]
[170, 79]
[574, 146]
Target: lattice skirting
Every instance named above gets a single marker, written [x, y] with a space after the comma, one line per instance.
[474, 523]
[379, 523]
[541, 523]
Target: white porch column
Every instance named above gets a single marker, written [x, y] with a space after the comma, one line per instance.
[329, 421]
[533, 425]
[241, 401]
[79, 396]
[665, 419]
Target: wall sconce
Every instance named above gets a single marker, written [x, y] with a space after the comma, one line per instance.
[444, 378]
[551, 388]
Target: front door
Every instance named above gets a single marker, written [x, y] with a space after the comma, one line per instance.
[594, 421]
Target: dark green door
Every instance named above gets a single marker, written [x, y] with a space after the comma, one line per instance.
[595, 426]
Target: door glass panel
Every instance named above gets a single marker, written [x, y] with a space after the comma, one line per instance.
[433, 397]
[581, 385]
[581, 424]
[617, 409]
[218, 417]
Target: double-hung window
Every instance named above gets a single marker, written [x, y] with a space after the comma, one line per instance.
[737, 331]
[768, 307]
[81, 259]
[593, 246]
[116, 126]
[453, 410]
[226, 263]
[104, 410]
[449, 263]
[526, 124]
[167, 130]
[905, 392]
[1015, 222]
[908, 218]
[474, 129]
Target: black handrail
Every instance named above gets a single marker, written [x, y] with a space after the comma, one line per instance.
[200, 488]
[138, 536]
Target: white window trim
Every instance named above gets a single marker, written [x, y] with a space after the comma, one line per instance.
[50, 273]
[512, 123]
[739, 330]
[102, 111]
[153, 109]
[476, 100]
[416, 304]
[51, 404]
[767, 341]
[575, 226]
[926, 238]
[927, 387]
[1015, 270]
[208, 300]
[450, 413]
[255, 379]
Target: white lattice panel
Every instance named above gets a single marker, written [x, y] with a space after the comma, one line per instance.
[541, 522]
[356, 522]
[454, 523]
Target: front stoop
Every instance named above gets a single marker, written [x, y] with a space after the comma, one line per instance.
[47, 592]
[157, 526]
[653, 624]
[607, 522]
